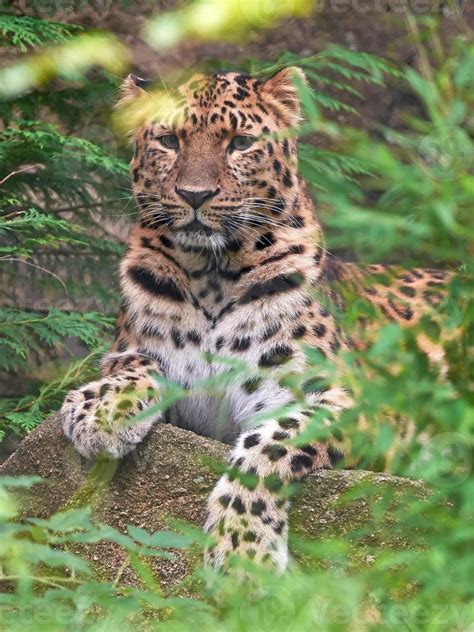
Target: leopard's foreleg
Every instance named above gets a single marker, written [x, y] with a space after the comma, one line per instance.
[248, 508]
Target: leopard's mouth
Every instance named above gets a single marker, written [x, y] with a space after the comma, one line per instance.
[197, 227]
[198, 235]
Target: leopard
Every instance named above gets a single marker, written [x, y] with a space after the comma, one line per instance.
[226, 263]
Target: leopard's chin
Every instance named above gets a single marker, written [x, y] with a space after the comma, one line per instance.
[200, 240]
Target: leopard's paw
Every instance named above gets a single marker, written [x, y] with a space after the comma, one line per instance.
[251, 524]
[97, 418]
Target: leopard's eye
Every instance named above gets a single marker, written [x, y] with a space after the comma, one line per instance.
[241, 143]
[170, 141]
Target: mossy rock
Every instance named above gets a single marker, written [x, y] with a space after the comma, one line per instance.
[169, 477]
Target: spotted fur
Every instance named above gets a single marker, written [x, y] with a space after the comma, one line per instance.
[226, 261]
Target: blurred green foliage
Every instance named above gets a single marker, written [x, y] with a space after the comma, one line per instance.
[214, 20]
[403, 195]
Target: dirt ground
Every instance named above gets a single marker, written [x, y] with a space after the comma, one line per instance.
[176, 462]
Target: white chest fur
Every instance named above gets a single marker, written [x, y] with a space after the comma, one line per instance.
[197, 354]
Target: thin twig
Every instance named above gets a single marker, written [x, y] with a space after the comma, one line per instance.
[49, 581]
[35, 265]
[22, 170]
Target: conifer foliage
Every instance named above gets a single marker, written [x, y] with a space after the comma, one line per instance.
[60, 194]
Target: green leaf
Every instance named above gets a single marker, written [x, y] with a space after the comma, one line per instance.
[163, 539]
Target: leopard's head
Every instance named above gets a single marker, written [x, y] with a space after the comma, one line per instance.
[220, 164]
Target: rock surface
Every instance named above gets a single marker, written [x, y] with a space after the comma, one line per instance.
[170, 476]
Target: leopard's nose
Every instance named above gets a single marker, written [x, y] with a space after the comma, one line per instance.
[196, 199]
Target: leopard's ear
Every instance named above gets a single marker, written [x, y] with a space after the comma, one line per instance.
[282, 88]
[132, 87]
